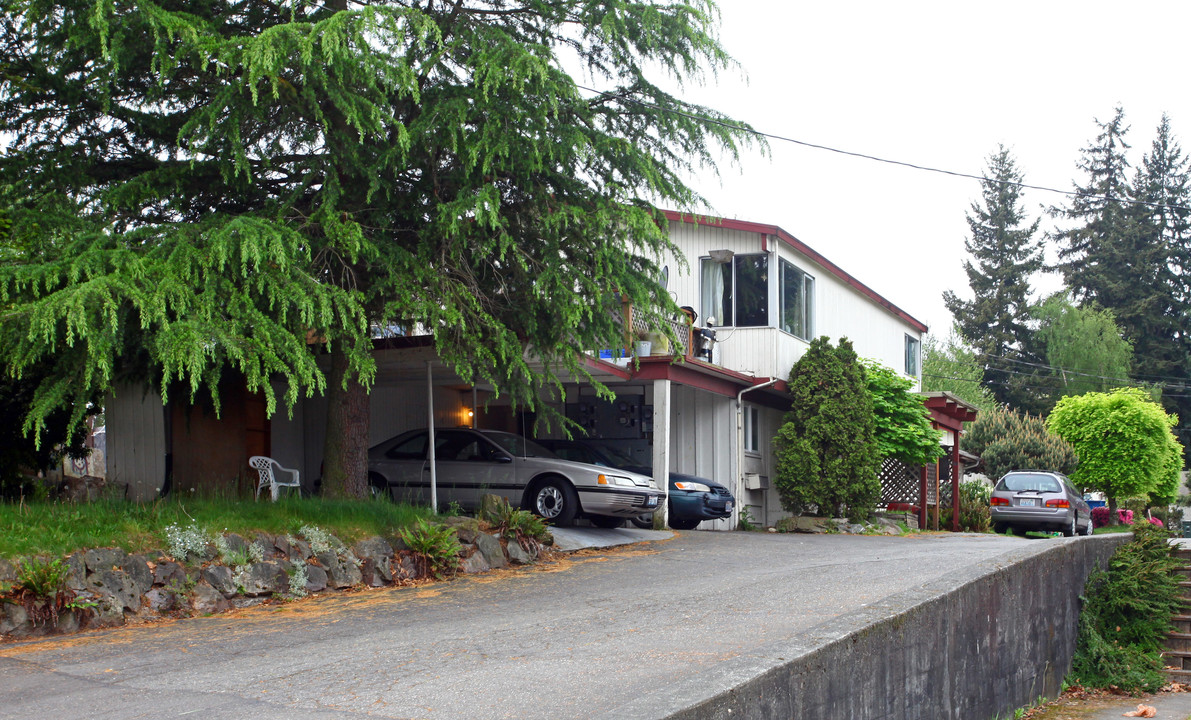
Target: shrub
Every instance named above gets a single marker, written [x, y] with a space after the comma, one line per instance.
[1126, 615]
[1007, 441]
[1100, 516]
[974, 513]
[41, 590]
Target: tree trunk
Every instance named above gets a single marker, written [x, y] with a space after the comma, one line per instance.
[1113, 517]
[345, 452]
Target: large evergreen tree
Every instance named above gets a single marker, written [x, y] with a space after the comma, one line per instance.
[1096, 253]
[1004, 256]
[204, 188]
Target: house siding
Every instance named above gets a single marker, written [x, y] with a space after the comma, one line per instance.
[136, 440]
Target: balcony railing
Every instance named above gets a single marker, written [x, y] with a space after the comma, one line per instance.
[635, 324]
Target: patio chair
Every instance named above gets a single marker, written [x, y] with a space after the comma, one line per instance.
[268, 468]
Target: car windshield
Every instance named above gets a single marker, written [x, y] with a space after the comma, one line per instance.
[517, 445]
[1028, 482]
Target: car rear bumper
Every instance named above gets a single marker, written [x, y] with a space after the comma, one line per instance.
[618, 502]
[1031, 516]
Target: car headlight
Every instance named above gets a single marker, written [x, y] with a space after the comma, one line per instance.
[692, 486]
[603, 479]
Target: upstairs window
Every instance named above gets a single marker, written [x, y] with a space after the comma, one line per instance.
[736, 293]
[797, 302]
[913, 351]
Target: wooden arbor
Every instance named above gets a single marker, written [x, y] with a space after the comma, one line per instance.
[949, 413]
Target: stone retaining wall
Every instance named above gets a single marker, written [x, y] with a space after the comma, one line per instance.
[126, 587]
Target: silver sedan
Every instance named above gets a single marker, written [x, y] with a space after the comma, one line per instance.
[1039, 500]
[471, 463]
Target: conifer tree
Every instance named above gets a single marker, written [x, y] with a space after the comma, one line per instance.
[1096, 252]
[202, 189]
[1004, 256]
[826, 452]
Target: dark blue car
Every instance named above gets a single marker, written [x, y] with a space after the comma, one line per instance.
[692, 499]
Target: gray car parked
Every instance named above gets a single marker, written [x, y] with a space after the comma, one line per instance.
[1039, 500]
[470, 463]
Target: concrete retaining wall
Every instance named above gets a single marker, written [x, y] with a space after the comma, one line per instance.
[974, 645]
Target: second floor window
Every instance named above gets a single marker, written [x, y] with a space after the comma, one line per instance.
[913, 349]
[798, 302]
[736, 293]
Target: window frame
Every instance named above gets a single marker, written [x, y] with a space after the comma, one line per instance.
[752, 429]
[915, 357]
[806, 298]
[732, 292]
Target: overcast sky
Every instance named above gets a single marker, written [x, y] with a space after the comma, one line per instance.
[937, 84]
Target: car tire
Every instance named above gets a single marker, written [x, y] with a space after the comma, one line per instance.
[1069, 530]
[684, 523]
[1087, 530]
[645, 522]
[1000, 528]
[378, 487]
[555, 501]
[606, 521]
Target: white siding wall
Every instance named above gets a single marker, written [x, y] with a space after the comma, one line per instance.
[136, 442]
[839, 309]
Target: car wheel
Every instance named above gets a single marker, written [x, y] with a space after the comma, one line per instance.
[606, 521]
[556, 501]
[684, 523]
[378, 487]
[1087, 530]
[1000, 528]
[1069, 531]
[645, 522]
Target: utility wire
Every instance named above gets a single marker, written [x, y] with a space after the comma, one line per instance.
[874, 158]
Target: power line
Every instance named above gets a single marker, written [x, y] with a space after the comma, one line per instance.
[874, 158]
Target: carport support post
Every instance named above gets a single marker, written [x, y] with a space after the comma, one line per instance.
[955, 482]
[430, 424]
[661, 447]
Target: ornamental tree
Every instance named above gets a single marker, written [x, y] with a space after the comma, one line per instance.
[203, 190]
[901, 423]
[1006, 441]
[1124, 442]
[826, 453]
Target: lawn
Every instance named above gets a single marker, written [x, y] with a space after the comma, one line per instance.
[55, 528]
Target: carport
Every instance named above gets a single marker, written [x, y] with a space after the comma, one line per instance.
[947, 413]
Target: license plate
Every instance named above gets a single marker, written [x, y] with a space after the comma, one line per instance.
[1028, 502]
[651, 502]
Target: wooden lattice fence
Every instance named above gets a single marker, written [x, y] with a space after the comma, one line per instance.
[899, 482]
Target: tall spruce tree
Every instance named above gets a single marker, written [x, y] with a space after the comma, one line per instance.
[1097, 252]
[1004, 256]
[1158, 317]
[203, 188]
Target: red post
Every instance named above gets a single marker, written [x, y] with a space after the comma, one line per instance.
[955, 482]
[922, 499]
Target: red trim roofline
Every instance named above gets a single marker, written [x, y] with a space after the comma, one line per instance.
[804, 249]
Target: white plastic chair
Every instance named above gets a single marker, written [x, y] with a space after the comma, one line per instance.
[268, 468]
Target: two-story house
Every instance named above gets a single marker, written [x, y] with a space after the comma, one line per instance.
[762, 291]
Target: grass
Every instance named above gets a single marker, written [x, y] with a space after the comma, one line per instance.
[53, 528]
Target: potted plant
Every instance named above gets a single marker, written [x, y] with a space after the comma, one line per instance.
[643, 345]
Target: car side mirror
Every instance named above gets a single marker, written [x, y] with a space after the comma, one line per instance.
[505, 459]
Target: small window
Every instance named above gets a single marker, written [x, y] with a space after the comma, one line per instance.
[752, 430]
[797, 301]
[913, 350]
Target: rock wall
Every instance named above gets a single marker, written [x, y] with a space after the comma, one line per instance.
[120, 587]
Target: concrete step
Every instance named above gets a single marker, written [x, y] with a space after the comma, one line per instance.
[1177, 659]
[1178, 641]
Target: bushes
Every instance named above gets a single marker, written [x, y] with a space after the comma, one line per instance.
[1126, 615]
[1007, 441]
[1100, 516]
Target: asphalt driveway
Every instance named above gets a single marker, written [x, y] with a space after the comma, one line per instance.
[637, 631]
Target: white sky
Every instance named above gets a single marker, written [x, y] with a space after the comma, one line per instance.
[938, 84]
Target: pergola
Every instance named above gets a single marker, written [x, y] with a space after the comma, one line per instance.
[949, 413]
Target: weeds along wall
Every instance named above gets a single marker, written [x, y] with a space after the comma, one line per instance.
[973, 645]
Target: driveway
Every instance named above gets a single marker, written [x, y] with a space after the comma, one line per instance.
[637, 631]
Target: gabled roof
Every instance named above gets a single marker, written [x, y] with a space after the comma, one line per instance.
[803, 249]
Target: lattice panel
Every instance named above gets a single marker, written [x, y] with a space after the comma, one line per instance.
[899, 482]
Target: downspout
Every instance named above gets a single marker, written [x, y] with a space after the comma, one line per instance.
[740, 448]
[430, 424]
